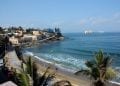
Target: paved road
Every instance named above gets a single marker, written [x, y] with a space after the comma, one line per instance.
[12, 60]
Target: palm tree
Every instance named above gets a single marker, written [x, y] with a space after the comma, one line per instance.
[22, 79]
[99, 69]
[42, 79]
[35, 75]
[46, 78]
[29, 68]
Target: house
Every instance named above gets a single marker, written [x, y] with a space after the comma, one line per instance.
[14, 40]
[28, 38]
[34, 38]
[36, 33]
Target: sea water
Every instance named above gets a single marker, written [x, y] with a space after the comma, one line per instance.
[72, 52]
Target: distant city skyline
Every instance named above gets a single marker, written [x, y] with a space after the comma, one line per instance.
[69, 15]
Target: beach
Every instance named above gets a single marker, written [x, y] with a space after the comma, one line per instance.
[69, 59]
[76, 49]
[63, 74]
[60, 73]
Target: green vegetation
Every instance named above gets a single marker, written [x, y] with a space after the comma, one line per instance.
[35, 75]
[29, 76]
[22, 79]
[99, 69]
[1, 30]
[29, 66]
[4, 43]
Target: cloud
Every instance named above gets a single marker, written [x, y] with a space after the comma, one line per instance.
[98, 21]
[104, 23]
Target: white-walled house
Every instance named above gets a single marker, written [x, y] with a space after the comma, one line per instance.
[36, 33]
[34, 38]
[28, 38]
[14, 40]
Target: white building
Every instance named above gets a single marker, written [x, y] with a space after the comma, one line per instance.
[14, 40]
[36, 33]
[28, 38]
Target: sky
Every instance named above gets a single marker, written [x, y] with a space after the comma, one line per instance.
[69, 15]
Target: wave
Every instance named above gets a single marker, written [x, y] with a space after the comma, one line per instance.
[28, 53]
[33, 55]
[59, 66]
[65, 62]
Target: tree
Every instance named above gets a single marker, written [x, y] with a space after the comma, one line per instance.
[35, 75]
[1, 30]
[29, 68]
[45, 78]
[20, 28]
[58, 32]
[99, 69]
[4, 43]
[22, 79]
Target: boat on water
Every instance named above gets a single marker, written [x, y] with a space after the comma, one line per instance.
[88, 31]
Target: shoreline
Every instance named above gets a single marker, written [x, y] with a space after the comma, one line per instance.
[61, 74]
[51, 63]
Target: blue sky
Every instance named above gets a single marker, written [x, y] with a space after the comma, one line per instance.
[69, 15]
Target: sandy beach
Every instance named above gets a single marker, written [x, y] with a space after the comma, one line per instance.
[61, 74]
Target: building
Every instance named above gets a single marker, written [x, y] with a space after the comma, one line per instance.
[49, 30]
[19, 32]
[14, 40]
[36, 33]
[28, 38]
[34, 38]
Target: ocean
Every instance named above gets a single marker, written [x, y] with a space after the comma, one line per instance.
[72, 52]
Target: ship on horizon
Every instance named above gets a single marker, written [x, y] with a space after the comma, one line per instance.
[88, 31]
